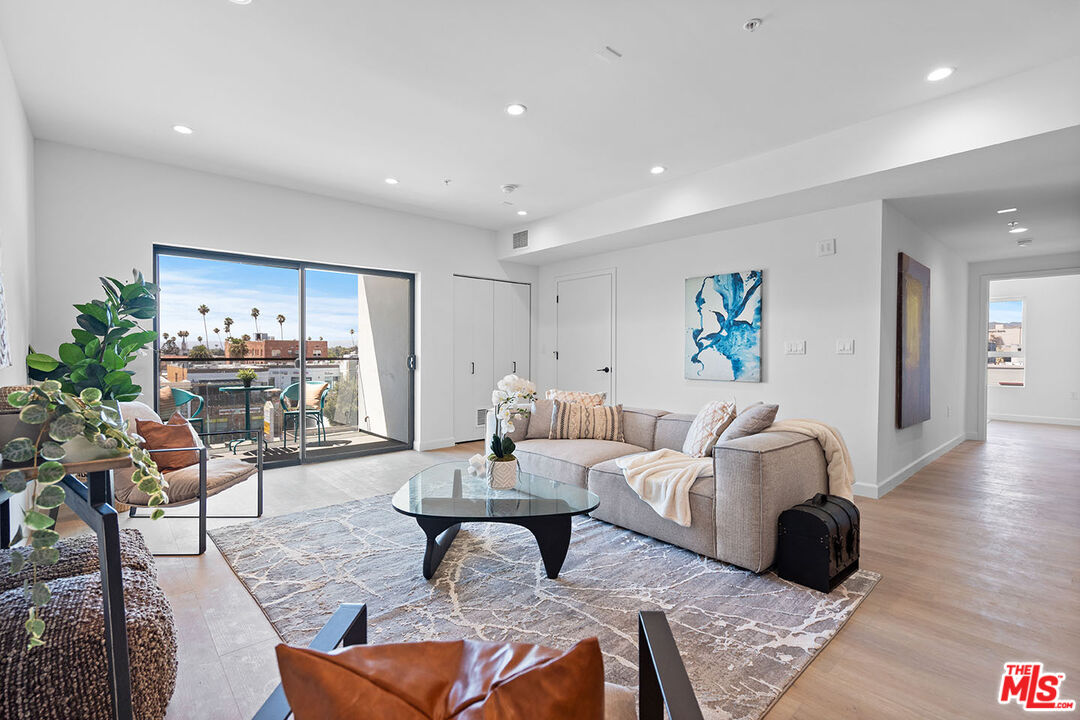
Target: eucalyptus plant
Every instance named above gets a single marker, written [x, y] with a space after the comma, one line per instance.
[63, 416]
[107, 339]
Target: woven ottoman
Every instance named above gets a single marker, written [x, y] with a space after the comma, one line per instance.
[68, 676]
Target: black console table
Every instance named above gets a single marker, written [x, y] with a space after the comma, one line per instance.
[91, 500]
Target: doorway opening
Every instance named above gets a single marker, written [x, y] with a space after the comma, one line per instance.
[1032, 375]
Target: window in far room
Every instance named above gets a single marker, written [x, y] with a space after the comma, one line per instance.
[1005, 343]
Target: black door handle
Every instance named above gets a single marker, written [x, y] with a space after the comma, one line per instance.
[515, 367]
[473, 371]
[604, 369]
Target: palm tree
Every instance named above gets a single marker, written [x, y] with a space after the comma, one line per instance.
[217, 331]
[183, 335]
[199, 338]
[351, 333]
[203, 310]
[255, 317]
[281, 324]
[229, 322]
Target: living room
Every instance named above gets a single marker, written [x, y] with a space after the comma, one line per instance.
[537, 324]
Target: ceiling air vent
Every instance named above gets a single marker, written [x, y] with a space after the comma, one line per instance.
[521, 239]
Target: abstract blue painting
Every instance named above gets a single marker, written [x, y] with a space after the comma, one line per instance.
[723, 327]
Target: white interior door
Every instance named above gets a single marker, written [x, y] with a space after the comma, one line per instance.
[585, 338]
[473, 356]
[513, 323]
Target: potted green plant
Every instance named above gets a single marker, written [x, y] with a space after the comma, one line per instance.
[246, 376]
[512, 397]
[59, 417]
[107, 339]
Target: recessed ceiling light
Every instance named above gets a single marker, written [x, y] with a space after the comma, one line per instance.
[391, 181]
[1006, 210]
[523, 212]
[940, 73]
[516, 109]
[657, 169]
[240, 2]
[1018, 229]
[182, 129]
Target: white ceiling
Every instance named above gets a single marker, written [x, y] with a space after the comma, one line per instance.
[1039, 176]
[332, 96]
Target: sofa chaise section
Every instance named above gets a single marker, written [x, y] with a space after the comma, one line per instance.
[734, 509]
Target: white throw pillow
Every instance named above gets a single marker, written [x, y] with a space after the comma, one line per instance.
[711, 420]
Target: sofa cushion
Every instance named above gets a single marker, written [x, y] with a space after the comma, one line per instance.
[577, 396]
[221, 473]
[568, 461]
[710, 421]
[620, 505]
[567, 419]
[603, 422]
[444, 679]
[705, 486]
[540, 420]
[172, 437]
[750, 421]
[639, 426]
[671, 431]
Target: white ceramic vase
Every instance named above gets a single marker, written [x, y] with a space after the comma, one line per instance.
[502, 474]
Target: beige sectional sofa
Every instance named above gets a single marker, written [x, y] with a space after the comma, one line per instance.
[734, 509]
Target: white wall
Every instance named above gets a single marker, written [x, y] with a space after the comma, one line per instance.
[901, 452]
[99, 213]
[16, 224]
[805, 298]
[978, 294]
[1051, 391]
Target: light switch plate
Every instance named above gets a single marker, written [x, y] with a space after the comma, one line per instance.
[826, 247]
[795, 347]
[845, 346]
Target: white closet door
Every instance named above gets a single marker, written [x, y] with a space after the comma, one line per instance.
[513, 323]
[473, 355]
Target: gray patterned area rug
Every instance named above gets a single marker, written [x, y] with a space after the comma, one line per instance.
[744, 637]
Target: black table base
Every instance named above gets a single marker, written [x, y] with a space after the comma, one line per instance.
[552, 535]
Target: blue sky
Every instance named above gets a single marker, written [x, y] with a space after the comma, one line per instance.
[1006, 311]
[232, 289]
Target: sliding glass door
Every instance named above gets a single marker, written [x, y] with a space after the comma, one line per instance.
[358, 364]
[237, 334]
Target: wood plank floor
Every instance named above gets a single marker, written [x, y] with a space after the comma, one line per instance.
[979, 553]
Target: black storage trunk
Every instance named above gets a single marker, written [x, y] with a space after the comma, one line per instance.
[818, 543]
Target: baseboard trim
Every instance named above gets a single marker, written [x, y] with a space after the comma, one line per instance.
[890, 483]
[425, 445]
[1038, 419]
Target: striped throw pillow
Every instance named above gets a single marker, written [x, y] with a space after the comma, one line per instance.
[566, 420]
[603, 423]
[711, 420]
[577, 396]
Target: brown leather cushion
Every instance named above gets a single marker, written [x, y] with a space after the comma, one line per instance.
[175, 434]
[462, 679]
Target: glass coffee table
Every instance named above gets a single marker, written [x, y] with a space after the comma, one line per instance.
[444, 496]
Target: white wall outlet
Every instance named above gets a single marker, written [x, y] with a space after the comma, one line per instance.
[1074, 395]
[845, 346]
[795, 347]
[826, 247]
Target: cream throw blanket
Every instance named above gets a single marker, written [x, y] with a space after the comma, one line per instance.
[837, 458]
[663, 478]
